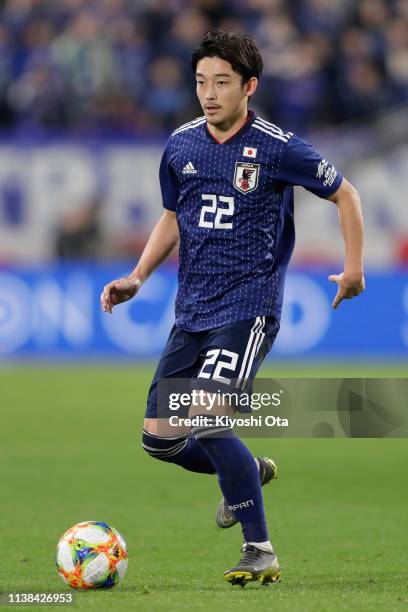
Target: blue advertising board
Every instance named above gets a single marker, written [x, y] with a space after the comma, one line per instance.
[52, 312]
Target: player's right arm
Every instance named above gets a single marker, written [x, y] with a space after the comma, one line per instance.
[162, 240]
[164, 237]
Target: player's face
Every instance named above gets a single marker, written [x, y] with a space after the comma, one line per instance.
[221, 92]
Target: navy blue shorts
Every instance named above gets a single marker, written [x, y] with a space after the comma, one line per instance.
[230, 354]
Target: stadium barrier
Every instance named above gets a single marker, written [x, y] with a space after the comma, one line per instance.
[44, 182]
[53, 312]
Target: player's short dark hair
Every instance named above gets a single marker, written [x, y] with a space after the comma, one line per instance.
[238, 49]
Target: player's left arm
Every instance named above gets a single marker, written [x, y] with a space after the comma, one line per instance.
[350, 282]
[302, 165]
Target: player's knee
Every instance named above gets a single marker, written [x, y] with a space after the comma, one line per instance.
[211, 427]
[164, 449]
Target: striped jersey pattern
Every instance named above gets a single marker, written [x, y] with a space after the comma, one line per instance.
[235, 217]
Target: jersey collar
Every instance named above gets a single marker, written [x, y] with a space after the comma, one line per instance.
[244, 127]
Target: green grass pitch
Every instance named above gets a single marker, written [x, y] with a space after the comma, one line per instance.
[70, 451]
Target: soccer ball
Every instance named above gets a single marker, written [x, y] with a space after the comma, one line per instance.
[92, 555]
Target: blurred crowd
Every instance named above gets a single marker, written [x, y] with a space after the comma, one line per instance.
[123, 66]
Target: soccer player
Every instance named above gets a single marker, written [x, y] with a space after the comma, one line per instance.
[227, 182]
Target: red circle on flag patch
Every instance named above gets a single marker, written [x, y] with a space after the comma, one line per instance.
[250, 152]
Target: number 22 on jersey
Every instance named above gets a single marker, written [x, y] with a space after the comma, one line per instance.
[212, 214]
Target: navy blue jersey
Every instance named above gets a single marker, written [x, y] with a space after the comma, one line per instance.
[234, 207]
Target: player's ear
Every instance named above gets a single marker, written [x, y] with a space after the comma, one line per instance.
[250, 86]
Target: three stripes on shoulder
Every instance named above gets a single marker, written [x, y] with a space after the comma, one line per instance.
[271, 129]
[190, 125]
[259, 124]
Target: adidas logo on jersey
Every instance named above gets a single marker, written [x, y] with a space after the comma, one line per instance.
[189, 169]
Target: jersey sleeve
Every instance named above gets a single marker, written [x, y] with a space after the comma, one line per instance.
[168, 181]
[302, 165]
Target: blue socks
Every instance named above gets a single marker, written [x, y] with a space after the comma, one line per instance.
[238, 477]
[235, 466]
[185, 452]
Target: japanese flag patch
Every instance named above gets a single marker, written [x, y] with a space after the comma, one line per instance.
[249, 152]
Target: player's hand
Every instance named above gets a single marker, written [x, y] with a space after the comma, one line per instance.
[347, 287]
[118, 291]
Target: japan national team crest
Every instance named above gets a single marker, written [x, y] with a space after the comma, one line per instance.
[246, 176]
